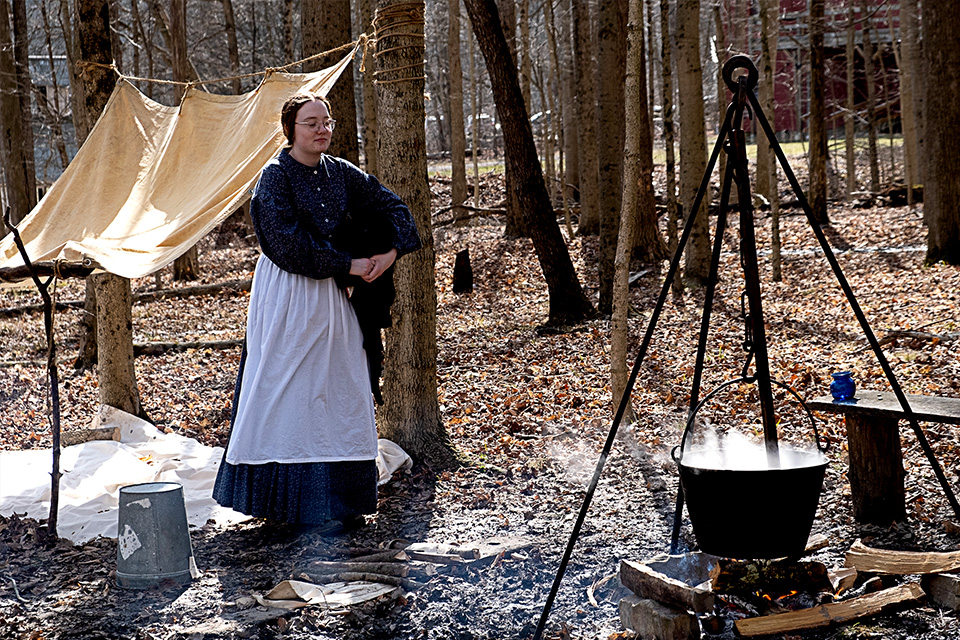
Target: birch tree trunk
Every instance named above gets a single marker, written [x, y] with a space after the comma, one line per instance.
[458, 136]
[941, 196]
[410, 415]
[587, 121]
[474, 119]
[817, 152]
[723, 52]
[693, 140]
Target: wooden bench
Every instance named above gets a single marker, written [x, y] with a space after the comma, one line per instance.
[876, 460]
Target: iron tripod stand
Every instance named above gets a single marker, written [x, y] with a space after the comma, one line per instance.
[743, 90]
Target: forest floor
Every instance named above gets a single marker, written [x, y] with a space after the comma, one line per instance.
[528, 411]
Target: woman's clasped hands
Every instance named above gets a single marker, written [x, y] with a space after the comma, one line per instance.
[373, 267]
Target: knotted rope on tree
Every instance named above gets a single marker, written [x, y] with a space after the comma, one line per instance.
[387, 24]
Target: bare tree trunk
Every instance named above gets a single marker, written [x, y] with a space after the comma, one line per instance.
[410, 415]
[568, 88]
[817, 152]
[12, 140]
[637, 144]
[647, 246]
[941, 196]
[558, 118]
[233, 50]
[723, 52]
[568, 304]
[611, 63]
[693, 140]
[516, 226]
[115, 370]
[289, 52]
[325, 25]
[769, 37]
[458, 141]
[851, 110]
[114, 326]
[908, 92]
[56, 126]
[370, 127]
[187, 266]
[526, 65]
[474, 119]
[587, 120]
[666, 111]
[892, 177]
[21, 41]
[870, 77]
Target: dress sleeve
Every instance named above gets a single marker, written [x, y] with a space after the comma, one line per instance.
[284, 232]
[367, 197]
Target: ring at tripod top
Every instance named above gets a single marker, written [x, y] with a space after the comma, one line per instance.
[740, 62]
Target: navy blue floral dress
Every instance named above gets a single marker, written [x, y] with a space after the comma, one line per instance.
[302, 446]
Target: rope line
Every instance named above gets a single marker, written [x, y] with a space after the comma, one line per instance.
[362, 41]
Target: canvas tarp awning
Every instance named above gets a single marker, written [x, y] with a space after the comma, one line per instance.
[151, 180]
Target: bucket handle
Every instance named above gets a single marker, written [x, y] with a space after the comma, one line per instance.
[677, 452]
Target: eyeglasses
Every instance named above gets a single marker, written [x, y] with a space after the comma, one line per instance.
[314, 125]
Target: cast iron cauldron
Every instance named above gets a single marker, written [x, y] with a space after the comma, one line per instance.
[752, 513]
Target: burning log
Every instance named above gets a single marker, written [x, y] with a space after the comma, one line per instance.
[870, 560]
[833, 613]
[779, 576]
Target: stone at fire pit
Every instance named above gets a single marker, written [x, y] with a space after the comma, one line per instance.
[654, 621]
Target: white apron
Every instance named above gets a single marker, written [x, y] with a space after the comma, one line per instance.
[305, 394]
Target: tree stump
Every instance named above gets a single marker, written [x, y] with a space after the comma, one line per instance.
[876, 469]
[463, 273]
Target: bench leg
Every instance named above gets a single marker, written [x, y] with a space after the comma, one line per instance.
[876, 470]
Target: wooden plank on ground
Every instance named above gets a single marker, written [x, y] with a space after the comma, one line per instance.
[833, 613]
[869, 560]
[653, 585]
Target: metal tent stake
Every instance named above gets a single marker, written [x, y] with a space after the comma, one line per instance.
[736, 172]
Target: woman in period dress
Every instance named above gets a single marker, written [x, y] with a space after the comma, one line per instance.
[303, 441]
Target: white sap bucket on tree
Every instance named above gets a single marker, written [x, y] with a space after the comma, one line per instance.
[153, 541]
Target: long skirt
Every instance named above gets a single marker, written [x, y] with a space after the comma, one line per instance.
[302, 446]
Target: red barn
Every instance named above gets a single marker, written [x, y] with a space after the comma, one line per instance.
[741, 20]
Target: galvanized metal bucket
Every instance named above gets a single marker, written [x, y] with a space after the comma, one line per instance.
[153, 541]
